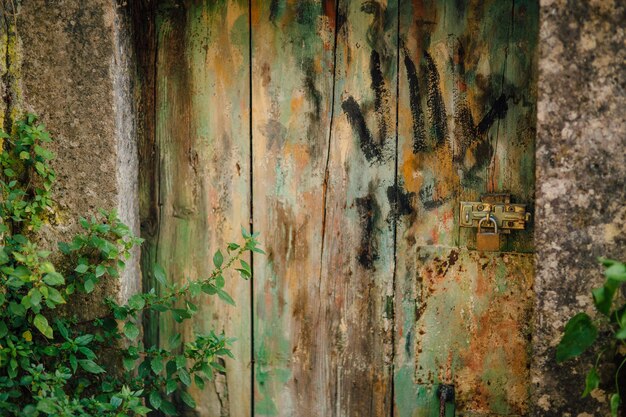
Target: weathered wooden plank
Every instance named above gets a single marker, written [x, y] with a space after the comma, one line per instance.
[292, 84]
[479, 55]
[426, 191]
[143, 13]
[468, 46]
[515, 161]
[358, 240]
[202, 136]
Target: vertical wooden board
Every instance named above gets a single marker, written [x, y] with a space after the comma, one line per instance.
[356, 305]
[515, 161]
[203, 141]
[292, 81]
[427, 183]
[143, 14]
[476, 47]
[427, 180]
[445, 118]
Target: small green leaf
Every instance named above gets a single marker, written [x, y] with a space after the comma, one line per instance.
[616, 272]
[116, 401]
[54, 295]
[157, 366]
[137, 302]
[155, 399]
[225, 297]
[131, 330]
[187, 399]
[219, 281]
[579, 334]
[90, 366]
[184, 377]
[89, 286]
[47, 406]
[84, 340]
[592, 381]
[159, 274]
[615, 401]
[170, 386]
[100, 270]
[82, 268]
[621, 334]
[41, 323]
[168, 408]
[129, 363]
[199, 381]
[603, 298]
[218, 259]
[73, 363]
[53, 279]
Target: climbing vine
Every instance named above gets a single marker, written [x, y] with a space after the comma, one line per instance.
[51, 363]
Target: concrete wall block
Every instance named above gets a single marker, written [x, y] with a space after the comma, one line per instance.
[581, 173]
[73, 61]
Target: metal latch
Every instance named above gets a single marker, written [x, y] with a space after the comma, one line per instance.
[498, 209]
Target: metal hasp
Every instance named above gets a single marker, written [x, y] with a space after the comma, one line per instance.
[498, 207]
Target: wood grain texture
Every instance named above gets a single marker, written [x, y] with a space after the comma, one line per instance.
[202, 135]
[292, 80]
[358, 248]
[463, 127]
[143, 14]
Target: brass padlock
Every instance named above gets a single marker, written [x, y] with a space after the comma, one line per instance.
[489, 241]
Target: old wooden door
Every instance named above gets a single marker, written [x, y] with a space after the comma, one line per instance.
[347, 132]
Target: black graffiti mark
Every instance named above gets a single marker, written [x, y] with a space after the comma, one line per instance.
[497, 111]
[401, 203]
[313, 94]
[419, 133]
[275, 10]
[381, 95]
[437, 115]
[427, 197]
[469, 134]
[369, 212]
[357, 121]
[372, 149]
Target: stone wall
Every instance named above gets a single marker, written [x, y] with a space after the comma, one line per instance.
[581, 191]
[69, 61]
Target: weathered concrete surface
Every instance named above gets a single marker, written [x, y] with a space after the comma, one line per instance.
[72, 62]
[581, 169]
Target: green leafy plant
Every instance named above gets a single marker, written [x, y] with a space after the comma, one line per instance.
[51, 363]
[607, 331]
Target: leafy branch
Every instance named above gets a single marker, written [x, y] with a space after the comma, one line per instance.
[608, 330]
[51, 363]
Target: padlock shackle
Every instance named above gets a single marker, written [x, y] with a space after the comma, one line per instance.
[490, 218]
